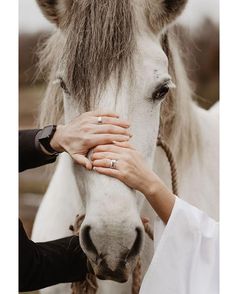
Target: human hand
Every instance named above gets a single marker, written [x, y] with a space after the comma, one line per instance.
[132, 170]
[85, 132]
[130, 167]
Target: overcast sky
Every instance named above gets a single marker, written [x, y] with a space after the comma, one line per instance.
[32, 20]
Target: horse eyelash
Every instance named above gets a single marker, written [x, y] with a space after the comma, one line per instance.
[167, 83]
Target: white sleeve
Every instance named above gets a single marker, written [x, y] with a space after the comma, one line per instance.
[186, 258]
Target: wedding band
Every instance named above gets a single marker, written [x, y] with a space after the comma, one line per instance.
[100, 121]
[113, 164]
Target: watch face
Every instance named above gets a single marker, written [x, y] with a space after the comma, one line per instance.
[45, 137]
[46, 133]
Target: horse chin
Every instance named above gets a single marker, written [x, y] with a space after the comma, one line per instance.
[120, 274]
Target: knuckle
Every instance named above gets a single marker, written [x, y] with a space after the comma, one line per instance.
[110, 129]
[87, 140]
[123, 166]
[97, 149]
[108, 137]
[84, 129]
[124, 174]
[126, 157]
[102, 149]
[137, 153]
[85, 120]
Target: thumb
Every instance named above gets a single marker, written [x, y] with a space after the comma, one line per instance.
[82, 160]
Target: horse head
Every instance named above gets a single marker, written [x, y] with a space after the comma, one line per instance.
[109, 55]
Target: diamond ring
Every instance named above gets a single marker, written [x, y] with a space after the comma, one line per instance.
[113, 164]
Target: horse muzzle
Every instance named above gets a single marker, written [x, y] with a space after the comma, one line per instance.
[115, 258]
[120, 274]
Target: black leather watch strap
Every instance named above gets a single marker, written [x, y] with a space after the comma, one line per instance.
[45, 137]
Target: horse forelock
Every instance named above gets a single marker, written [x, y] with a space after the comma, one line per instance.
[99, 40]
[96, 39]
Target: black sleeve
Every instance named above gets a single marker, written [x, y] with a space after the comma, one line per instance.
[46, 264]
[29, 155]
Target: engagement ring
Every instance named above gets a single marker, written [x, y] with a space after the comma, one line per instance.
[113, 164]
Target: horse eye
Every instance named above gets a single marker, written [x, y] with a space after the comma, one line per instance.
[160, 92]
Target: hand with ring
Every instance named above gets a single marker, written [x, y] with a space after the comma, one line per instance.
[122, 161]
[87, 131]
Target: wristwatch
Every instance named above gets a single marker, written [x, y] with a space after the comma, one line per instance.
[45, 137]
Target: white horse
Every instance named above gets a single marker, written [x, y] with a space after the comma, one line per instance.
[122, 56]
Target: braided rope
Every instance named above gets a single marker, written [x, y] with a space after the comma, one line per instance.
[137, 274]
[148, 230]
[174, 181]
[90, 286]
[136, 278]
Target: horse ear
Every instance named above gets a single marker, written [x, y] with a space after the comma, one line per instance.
[163, 12]
[173, 8]
[54, 10]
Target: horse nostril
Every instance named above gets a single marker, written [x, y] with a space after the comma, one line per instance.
[86, 239]
[135, 250]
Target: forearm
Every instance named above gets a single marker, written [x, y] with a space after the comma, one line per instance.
[160, 198]
[29, 155]
[46, 264]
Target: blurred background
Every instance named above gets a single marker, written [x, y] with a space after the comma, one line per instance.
[200, 39]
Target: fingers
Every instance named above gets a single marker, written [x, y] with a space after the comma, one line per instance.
[116, 147]
[82, 160]
[108, 172]
[105, 155]
[106, 163]
[108, 139]
[125, 144]
[111, 129]
[110, 118]
[111, 121]
[106, 148]
[98, 113]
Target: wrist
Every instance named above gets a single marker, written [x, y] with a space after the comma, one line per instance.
[153, 186]
[56, 141]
